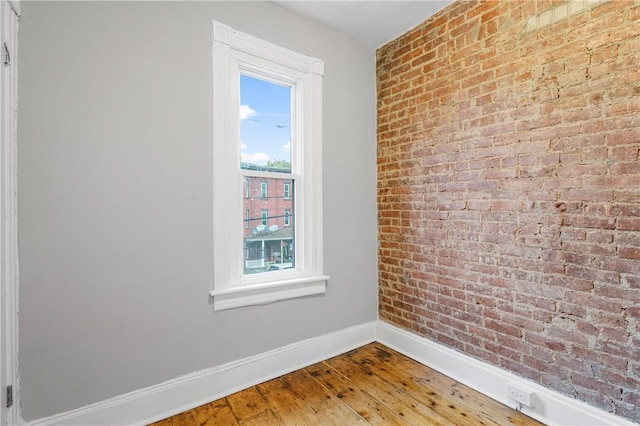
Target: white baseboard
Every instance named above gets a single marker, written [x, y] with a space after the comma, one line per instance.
[549, 407]
[184, 393]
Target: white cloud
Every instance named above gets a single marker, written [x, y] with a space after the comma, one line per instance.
[255, 158]
[246, 112]
[286, 147]
[243, 146]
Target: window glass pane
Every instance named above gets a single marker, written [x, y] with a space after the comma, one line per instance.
[269, 227]
[265, 125]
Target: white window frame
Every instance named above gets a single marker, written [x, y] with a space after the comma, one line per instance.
[234, 53]
[264, 217]
[287, 217]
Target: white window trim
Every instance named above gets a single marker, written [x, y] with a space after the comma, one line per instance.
[233, 52]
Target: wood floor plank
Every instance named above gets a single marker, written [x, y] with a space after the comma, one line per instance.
[437, 399]
[285, 405]
[249, 405]
[265, 419]
[412, 410]
[372, 410]
[215, 413]
[332, 410]
[464, 395]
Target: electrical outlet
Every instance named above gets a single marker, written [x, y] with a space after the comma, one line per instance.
[519, 395]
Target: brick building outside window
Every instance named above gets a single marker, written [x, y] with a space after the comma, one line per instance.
[268, 238]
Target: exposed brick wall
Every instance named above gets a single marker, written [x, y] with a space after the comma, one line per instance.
[509, 191]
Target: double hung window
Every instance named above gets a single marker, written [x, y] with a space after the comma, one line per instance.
[267, 146]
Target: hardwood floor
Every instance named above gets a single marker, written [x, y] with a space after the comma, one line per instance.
[372, 385]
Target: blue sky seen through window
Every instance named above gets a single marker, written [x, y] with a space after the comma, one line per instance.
[265, 121]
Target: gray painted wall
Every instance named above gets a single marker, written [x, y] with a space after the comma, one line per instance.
[115, 198]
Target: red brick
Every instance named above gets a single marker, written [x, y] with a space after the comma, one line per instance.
[634, 311]
[629, 252]
[628, 224]
[633, 281]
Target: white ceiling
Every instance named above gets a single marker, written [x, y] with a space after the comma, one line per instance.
[374, 23]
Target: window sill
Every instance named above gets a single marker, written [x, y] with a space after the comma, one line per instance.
[261, 294]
